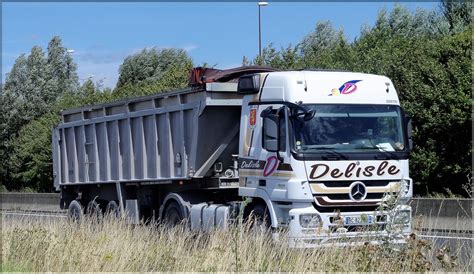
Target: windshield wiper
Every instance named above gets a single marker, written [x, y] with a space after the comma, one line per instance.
[331, 153]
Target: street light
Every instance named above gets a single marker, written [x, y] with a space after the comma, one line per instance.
[70, 51]
[260, 4]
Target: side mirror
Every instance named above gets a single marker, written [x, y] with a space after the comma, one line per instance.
[271, 132]
[409, 132]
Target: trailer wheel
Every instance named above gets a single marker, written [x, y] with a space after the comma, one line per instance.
[112, 209]
[260, 217]
[173, 215]
[93, 209]
[75, 211]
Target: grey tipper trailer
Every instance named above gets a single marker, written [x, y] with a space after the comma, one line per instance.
[134, 154]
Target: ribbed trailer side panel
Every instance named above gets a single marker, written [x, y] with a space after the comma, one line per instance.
[154, 138]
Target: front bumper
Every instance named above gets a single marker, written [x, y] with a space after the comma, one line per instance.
[333, 232]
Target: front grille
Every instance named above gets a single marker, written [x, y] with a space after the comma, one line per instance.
[354, 208]
[333, 196]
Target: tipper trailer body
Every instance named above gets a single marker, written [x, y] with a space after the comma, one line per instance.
[319, 153]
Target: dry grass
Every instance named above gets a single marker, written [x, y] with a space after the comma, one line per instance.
[115, 246]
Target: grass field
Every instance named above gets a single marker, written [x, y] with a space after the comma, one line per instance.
[112, 245]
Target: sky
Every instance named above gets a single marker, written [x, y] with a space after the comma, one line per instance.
[216, 33]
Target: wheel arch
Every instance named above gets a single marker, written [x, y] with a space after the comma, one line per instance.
[180, 199]
[261, 197]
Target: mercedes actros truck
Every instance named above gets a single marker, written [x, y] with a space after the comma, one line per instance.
[317, 154]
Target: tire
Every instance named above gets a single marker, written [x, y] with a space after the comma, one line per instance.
[260, 218]
[94, 209]
[113, 209]
[75, 211]
[173, 215]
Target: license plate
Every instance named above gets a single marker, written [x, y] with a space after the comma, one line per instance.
[359, 220]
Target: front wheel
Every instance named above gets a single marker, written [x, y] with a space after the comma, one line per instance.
[173, 215]
[260, 218]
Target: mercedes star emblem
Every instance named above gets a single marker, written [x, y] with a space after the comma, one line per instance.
[358, 191]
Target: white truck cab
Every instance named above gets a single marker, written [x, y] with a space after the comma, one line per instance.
[325, 151]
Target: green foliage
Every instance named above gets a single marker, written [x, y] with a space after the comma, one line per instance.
[286, 58]
[153, 70]
[175, 77]
[31, 88]
[61, 69]
[31, 161]
[458, 14]
[3, 188]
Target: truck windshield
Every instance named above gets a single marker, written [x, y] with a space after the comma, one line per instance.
[350, 128]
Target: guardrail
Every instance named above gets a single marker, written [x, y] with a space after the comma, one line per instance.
[446, 207]
[446, 215]
[430, 213]
[30, 201]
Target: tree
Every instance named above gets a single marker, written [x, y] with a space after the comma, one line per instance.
[61, 70]
[284, 59]
[150, 68]
[31, 89]
[31, 162]
[13, 115]
[457, 13]
[36, 101]
[325, 48]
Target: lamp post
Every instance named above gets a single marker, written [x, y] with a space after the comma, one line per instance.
[260, 4]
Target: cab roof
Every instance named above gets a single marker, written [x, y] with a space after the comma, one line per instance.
[329, 87]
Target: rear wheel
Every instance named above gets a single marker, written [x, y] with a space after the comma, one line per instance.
[112, 209]
[94, 209]
[75, 211]
[173, 215]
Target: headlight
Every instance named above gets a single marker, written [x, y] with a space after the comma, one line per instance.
[310, 220]
[402, 217]
[405, 194]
